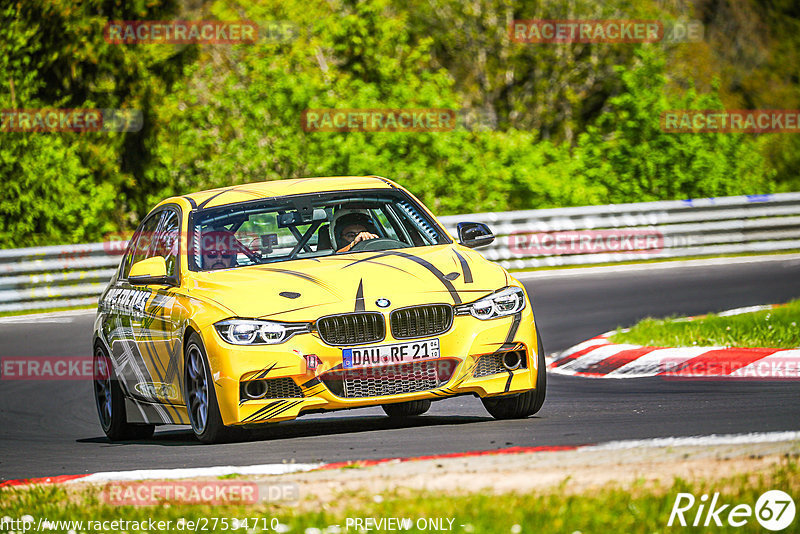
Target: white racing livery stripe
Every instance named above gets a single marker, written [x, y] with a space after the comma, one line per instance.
[697, 441]
[150, 474]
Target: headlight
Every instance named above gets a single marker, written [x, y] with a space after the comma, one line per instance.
[507, 301]
[256, 332]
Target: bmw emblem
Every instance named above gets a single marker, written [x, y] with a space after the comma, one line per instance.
[383, 303]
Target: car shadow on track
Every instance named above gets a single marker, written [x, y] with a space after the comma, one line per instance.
[318, 427]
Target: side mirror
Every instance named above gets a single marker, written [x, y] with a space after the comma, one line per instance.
[150, 271]
[472, 234]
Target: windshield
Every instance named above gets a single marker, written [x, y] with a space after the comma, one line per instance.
[308, 226]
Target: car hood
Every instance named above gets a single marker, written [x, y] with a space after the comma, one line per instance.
[303, 290]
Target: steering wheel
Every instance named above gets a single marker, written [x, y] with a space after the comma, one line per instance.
[379, 243]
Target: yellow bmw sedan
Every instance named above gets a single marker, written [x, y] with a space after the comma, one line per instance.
[257, 303]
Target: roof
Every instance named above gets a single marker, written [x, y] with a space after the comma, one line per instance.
[276, 188]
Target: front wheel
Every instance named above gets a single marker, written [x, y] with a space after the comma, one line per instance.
[524, 404]
[407, 409]
[201, 399]
[111, 403]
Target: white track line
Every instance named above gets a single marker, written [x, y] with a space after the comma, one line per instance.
[613, 269]
[149, 474]
[697, 441]
[50, 317]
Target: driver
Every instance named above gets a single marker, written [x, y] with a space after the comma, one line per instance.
[218, 249]
[353, 228]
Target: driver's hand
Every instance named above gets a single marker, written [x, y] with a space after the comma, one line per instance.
[363, 236]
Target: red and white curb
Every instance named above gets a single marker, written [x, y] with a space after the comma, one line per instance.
[600, 358]
[285, 469]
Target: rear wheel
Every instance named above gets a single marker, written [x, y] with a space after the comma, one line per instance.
[407, 409]
[525, 404]
[111, 402]
[201, 399]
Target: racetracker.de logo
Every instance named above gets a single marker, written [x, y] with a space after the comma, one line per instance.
[180, 32]
[70, 120]
[180, 492]
[586, 31]
[747, 364]
[47, 368]
[628, 240]
[730, 121]
[379, 120]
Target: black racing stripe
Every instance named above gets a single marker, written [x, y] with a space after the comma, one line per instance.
[153, 355]
[212, 197]
[384, 180]
[284, 409]
[430, 267]
[509, 338]
[465, 268]
[360, 297]
[265, 371]
[380, 263]
[298, 274]
[269, 406]
[276, 411]
[287, 311]
[362, 260]
[191, 201]
[237, 189]
[514, 326]
[508, 382]
[311, 383]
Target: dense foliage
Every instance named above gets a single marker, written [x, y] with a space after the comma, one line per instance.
[540, 125]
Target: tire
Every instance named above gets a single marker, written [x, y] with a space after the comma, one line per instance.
[110, 402]
[201, 399]
[407, 409]
[525, 404]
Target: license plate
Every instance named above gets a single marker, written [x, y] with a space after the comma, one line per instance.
[414, 351]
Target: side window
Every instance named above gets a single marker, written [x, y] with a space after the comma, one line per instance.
[166, 242]
[142, 246]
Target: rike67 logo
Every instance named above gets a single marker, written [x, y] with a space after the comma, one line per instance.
[774, 510]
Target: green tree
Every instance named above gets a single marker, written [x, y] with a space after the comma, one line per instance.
[629, 154]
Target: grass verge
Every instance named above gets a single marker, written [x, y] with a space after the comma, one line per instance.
[640, 508]
[775, 328]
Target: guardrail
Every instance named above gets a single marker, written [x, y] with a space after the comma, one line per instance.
[74, 275]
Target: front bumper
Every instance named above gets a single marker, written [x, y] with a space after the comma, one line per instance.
[462, 346]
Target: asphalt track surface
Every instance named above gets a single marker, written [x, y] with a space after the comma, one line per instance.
[50, 427]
